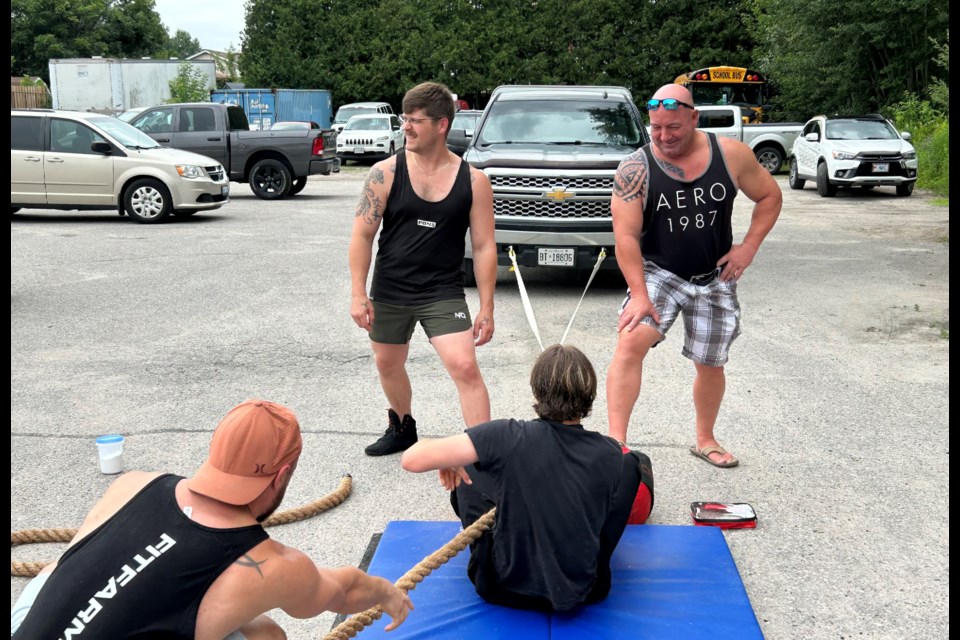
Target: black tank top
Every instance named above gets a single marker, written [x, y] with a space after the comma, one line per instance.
[686, 224]
[140, 575]
[420, 254]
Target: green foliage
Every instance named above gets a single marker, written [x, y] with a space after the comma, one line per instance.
[45, 29]
[854, 57]
[190, 85]
[182, 45]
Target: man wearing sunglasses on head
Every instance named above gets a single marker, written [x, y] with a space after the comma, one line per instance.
[672, 207]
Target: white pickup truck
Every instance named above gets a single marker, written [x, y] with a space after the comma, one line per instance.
[771, 142]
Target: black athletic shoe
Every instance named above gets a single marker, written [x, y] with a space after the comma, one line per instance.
[399, 436]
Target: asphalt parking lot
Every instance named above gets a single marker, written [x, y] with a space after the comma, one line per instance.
[837, 391]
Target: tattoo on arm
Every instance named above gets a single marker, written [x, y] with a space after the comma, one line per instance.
[247, 561]
[630, 182]
[370, 206]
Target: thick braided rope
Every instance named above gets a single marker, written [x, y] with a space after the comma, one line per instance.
[33, 536]
[357, 622]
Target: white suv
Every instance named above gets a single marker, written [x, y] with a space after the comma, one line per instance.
[347, 111]
[73, 160]
[848, 151]
[370, 138]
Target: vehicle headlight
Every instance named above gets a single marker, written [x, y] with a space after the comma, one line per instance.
[382, 138]
[909, 155]
[843, 155]
[190, 171]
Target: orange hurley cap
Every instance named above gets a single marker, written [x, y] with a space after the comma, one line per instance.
[250, 445]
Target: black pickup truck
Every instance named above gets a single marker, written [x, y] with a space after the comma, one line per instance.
[276, 164]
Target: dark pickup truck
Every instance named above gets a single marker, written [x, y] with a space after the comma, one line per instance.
[276, 164]
[551, 153]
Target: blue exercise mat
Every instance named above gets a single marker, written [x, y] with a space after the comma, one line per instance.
[668, 582]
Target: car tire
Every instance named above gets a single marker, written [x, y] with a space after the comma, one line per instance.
[469, 277]
[147, 201]
[796, 182]
[770, 158]
[298, 185]
[905, 189]
[824, 187]
[270, 179]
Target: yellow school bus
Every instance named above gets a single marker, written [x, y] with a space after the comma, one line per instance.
[728, 85]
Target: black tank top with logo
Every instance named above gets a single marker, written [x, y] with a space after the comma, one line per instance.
[420, 253]
[686, 224]
[141, 574]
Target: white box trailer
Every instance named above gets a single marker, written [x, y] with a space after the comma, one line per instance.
[112, 85]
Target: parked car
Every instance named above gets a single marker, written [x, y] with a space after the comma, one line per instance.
[130, 114]
[467, 121]
[73, 160]
[347, 111]
[853, 151]
[370, 137]
[293, 125]
[275, 164]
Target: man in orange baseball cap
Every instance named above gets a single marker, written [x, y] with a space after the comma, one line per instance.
[165, 556]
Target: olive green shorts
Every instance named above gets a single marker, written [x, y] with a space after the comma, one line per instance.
[394, 324]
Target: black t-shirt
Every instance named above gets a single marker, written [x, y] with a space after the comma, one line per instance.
[554, 485]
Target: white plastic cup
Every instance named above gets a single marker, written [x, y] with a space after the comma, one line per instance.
[111, 453]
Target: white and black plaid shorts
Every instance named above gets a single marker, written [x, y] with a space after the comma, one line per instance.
[711, 312]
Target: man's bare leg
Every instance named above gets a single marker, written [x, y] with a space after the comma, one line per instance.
[625, 376]
[708, 389]
[459, 355]
[391, 362]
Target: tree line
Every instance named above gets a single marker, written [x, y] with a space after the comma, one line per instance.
[819, 55]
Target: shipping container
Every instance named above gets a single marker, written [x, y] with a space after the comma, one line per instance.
[266, 106]
[112, 85]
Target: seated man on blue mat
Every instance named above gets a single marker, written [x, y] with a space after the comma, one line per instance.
[563, 494]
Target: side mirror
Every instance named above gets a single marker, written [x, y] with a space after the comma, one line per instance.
[812, 137]
[457, 141]
[101, 147]
[905, 135]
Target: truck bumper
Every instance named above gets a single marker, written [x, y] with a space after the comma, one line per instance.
[325, 167]
[527, 244]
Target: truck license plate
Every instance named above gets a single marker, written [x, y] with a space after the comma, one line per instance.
[555, 257]
[225, 190]
[881, 167]
[358, 149]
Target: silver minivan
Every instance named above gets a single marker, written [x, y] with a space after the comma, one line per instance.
[73, 160]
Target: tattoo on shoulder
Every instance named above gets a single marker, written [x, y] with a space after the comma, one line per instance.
[630, 182]
[247, 561]
[670, 168]
[370, 207]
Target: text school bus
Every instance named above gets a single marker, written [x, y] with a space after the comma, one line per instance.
[728, 85]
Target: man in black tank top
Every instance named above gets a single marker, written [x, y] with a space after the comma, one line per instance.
[422, 202]
[161, 556]
[672, 207]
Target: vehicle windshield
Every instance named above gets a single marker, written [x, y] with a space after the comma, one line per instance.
[590, 122]
[345, 113]
[368, 124]
[127, 116]
[126, 134]
[740, 94]
[466, 121]
[860, 130]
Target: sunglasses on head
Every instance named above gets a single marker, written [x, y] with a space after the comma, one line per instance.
[670, 104]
